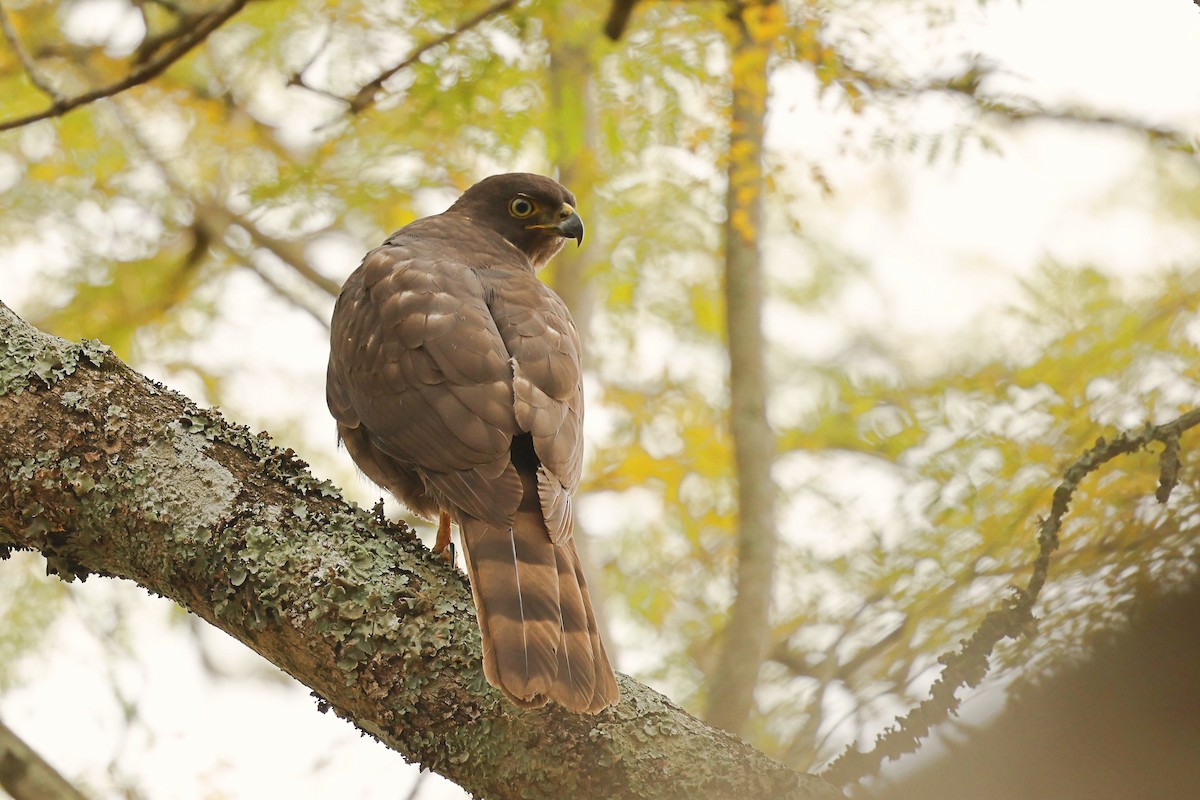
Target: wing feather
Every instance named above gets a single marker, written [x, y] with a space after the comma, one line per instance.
[538, 332]
[417, 360]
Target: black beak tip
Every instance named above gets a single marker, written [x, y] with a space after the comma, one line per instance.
[572, 228]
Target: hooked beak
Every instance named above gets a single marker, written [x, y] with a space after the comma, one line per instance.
[569, 225]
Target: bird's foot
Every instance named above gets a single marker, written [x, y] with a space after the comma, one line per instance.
[443, 546]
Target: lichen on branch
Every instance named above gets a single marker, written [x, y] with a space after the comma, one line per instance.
[106, 472]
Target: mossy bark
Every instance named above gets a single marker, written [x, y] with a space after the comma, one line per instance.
[106, 472]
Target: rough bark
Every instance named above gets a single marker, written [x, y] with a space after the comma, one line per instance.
[745, 639]
[106, 472]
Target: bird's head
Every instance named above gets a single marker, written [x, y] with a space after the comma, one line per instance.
[536, 214]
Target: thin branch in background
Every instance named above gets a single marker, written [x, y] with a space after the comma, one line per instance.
[968, 665]
[618, 18]
[153, 41]
[968, 84]
[169, 5]
[31, 69]
[289, 252]
[422, 775]
[282, 291]
[1170, 138]
[216, 217]
[368, 93]
[25, 774]
[111, 631]
[297, 77]
[196, 33]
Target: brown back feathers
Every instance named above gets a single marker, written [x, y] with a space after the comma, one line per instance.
[455, 378]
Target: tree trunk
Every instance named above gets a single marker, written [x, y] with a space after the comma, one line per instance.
[744, 644]
[571, 141]
[107, 472]
[571, 131]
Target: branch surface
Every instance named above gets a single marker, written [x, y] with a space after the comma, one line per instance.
[106, 472]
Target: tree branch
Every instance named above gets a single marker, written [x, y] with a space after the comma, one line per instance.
[106, 472]
[618, 18]
[367, 94]
[968, 665]
[25, 775]
[202, 26]
[214, 215]
[31, 69]
[291, 253]
[1170, 138]
[967, 84]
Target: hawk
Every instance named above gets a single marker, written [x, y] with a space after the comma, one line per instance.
[454, 376]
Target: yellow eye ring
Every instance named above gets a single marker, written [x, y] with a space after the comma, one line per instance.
[521, 207]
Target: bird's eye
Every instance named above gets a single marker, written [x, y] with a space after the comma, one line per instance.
[521, 207]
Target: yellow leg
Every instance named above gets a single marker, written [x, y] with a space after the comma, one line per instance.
[442, 546]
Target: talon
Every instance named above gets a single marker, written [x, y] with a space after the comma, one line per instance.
[443, 547]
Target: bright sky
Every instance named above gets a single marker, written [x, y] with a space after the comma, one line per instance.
[946, 242]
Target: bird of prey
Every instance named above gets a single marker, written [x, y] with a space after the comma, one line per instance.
[454, 376]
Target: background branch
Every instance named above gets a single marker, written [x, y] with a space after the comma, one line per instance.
[367, 94]
[192, 36]
[217, 218]
[968, 665]
[25, 775]
[31, 69]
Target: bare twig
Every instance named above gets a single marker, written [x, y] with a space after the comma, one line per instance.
[171, 6]
[367, 94]
[289, 252]
[218, 217]
[421, 776]
[154, 41]
[194, 35]
[968, 665]
[618, 18]
[968, 84]
[31, 69]
[1168, 137]
[297, 77]
[24, 773]
[282, 291]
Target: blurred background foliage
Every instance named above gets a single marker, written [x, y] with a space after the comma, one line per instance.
[201, 223]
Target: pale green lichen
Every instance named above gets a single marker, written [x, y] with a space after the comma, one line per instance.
[184, 484]
[30, 356]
